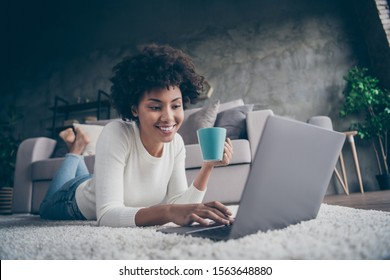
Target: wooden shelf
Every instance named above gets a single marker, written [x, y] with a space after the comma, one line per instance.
[65, 109]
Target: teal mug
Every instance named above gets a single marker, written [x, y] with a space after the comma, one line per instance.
[212, 142]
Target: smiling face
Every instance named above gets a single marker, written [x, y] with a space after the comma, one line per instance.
[160, 113]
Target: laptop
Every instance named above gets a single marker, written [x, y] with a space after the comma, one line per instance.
[287, 182]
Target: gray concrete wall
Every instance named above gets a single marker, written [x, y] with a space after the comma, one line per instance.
[289, 56]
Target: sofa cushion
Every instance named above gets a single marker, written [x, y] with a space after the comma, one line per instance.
[241, 148]
[222, 107]
[203, 118]
[234, 120]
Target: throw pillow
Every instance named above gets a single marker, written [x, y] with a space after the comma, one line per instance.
[231, 104]
[61, 149]
[234, 120]
[102, 122]
[93, 131]
[222, 107]
[203, 118]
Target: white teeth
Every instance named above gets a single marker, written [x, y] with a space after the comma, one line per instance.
[166, 128]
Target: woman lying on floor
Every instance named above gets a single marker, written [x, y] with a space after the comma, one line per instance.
[139, 160]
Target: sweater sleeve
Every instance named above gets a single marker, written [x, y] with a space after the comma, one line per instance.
[112, 150]
[178, 192]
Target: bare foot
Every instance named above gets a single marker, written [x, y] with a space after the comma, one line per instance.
[68, 136]
[80, 142]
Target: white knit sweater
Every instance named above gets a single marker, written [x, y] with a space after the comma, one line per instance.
[127, 178]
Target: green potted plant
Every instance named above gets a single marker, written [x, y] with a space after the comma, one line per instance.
[364, 97]
[8, 148]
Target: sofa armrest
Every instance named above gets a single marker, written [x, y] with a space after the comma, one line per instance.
[29, 150]
[255, 123]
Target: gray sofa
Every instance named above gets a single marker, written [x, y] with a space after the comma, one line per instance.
[35, 169]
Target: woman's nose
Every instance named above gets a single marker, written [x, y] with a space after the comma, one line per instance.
[167, 115]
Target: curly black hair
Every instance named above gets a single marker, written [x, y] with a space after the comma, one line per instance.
[154, 67]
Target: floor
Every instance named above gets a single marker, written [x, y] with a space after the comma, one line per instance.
[378, 200]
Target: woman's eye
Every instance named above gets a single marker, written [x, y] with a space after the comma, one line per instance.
[176, 106]
[155, 108]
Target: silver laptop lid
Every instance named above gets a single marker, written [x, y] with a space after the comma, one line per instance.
[289, 176]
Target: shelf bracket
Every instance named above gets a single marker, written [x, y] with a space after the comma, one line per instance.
[57, 99]
[100, 94]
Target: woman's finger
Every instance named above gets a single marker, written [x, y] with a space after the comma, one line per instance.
[228, 145]
[215, 215]
[221, 207]
[197, 219]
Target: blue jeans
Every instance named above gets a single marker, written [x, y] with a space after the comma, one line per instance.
[60, 200]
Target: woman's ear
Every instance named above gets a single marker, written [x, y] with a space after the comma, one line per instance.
[134, 111]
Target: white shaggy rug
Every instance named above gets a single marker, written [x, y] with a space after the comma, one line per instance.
[337, 233]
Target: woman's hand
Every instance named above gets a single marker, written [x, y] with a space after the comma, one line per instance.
[201, 180]
[227, 155]
[186, 214]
